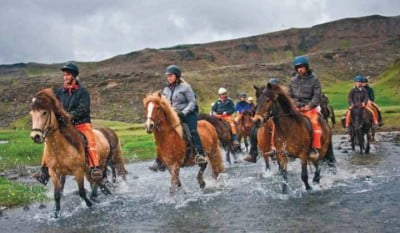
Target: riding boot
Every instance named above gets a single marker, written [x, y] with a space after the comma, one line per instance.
[235, 140]
[314, 154]
[199, 158]
[42, 175]
[95, 173]
[157, 166]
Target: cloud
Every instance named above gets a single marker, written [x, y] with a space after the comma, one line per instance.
[56, 31]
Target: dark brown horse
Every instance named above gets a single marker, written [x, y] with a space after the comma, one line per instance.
[244, 126]
[327, 110]
[64, 152]
[163, 121]
[292, 133]
[224, 135]
[361, 127]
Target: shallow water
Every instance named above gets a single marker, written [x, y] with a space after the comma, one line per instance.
[363, 196]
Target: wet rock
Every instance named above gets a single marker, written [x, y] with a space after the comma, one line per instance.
[42, 206]
[26, 208]
[345, 151]
[338, 148]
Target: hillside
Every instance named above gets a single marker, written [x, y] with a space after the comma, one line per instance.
[338, 50]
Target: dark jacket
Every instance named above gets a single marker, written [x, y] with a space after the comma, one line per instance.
[357, 96]
[370, 91]
[305, 91]
[227, 106]
[77, 104]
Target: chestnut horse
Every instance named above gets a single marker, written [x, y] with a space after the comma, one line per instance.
[244, 126]
[292, 132]
[64, 152]
[162, 120]
[224, 135]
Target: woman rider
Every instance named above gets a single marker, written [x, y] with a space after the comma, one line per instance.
[183, 100]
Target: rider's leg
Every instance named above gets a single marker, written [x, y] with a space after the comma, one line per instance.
[374, 114]
[87, 130]
[191, 120]
[313, 115]
[231, 122]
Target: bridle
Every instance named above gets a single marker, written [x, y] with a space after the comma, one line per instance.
[46, 130]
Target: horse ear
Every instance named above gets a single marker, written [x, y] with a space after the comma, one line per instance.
[159, 94]
[255, 87]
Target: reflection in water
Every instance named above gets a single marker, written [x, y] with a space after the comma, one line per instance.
[362, 196]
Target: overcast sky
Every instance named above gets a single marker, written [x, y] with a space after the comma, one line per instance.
[50, 31]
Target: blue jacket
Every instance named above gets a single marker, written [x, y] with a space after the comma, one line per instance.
[242, 106]
[371, 95]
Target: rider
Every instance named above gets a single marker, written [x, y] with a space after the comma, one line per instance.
[241, 106]
[252, 105]
[358, 96]
[183, 101]
[75, 99]
[223, 108]
[305, 90]
[371, 102]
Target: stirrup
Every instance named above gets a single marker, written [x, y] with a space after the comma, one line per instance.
[314, 154]
[200, 159]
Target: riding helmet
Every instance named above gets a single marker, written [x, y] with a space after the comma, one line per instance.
[300, 60]
[358, 78]
[364, 79]
[274, 81]
[173, 69]
[71, 67]
[221, 91]
[242, 94]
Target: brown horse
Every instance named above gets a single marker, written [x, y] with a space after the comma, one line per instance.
[292, 132]
[224, 135]
[171, 146]
[244, 126]
[64, 152]
[327, 110]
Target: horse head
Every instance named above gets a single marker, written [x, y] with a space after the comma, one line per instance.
[158, 110]
[47, 115]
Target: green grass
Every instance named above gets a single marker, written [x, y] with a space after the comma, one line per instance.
[14, 194]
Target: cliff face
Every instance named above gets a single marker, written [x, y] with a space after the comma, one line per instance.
[337, 50]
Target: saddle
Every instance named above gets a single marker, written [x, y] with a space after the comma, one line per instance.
[187, 136]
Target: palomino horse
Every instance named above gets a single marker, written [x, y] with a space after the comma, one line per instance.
[64, 152]
[244, 126]
[162, 120]
[292, 133]
[361, 125]
[327, 110]
[224, 135]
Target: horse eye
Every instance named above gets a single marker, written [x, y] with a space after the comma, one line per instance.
[44, 113]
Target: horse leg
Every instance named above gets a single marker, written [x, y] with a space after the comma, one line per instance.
[200, 179]
[228, 152]
[82, 193]
[175, 182]
[367, 148]
[282, 162]
[63, 178]
[57, 192]
[246, 144]
[266, 159]
[304, 173]
[317, 175]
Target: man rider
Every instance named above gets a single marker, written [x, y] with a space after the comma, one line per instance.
[305, 90]
[75, 99]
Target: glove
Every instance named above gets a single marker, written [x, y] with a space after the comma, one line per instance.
[180, 113]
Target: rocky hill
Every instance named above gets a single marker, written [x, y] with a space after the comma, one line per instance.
[338, 50]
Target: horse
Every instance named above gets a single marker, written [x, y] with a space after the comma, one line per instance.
[360, 125]
[164, 123]
[244, 126]
[64, 152]
[292, 132]
[327, 110]
[224, 132]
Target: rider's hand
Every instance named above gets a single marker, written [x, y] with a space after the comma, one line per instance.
[363, 105]
[305, 108]
[180, 113]
[224, 113]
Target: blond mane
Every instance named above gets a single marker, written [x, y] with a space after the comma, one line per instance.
[171, 115]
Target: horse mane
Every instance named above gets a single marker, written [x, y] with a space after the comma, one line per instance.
[46, 100]
[280, 94]
[170, 114]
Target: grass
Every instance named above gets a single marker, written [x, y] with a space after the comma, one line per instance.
[14, 194]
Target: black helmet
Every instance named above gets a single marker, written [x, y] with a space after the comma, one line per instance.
[173, 69]
[242, 94]
[274, 81]
[71, 67]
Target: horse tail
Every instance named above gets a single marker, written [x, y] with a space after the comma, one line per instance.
[215, 157]
[115, 155]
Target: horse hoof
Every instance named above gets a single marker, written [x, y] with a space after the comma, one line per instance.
[56, 214]
[105, 190]
[203, 185]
